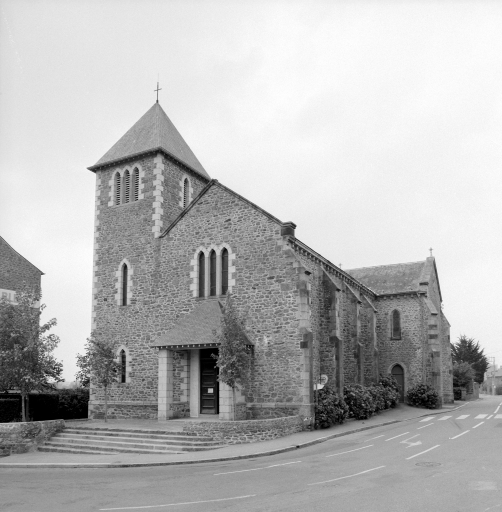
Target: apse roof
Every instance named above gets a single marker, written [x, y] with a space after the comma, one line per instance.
[153, 132]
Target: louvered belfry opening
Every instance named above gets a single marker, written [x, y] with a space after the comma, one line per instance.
[212, 273]
[186, 192]
[396, 324]
[127, 186]
[202, 274]
[135, 184]
[124, 285]
[224, 271]
[123, 366]
[117, 188]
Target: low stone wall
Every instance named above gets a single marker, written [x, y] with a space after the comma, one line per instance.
[247, 431]
[271, 410]
[26, 437]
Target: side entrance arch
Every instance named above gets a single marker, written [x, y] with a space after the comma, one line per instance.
[398, 374]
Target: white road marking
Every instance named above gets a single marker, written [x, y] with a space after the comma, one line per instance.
[425, 426]
[463, 416]
[460, 434]
[357, 449]
[497, 410]
[257, 469]
[348, 476]
[489, 416]
[444, 418]
[373, 438]
[476, 426]
[185, 503]
[498, 417]
[407, 441]
[481, 416]
[417, 454]
[429, 418]
[395, 437]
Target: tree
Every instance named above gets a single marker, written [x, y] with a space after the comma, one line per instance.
[83, 376]
[467, 350]
[99, 362]
[27, 362]
[234, 354]
[463, 374]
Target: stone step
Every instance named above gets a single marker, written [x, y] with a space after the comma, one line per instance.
[179, 432]
[158, 440]
[145, 434]
[73, 450]
[54, 446]
[119, 445]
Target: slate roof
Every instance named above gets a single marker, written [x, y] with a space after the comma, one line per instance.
[196, 328]
[399, 278]
[153, 132]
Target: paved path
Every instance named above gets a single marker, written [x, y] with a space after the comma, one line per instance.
[232, 452]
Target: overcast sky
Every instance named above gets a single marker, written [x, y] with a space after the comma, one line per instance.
[375, 126]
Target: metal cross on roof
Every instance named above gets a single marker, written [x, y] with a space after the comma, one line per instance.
[430, 249]
[157, 91]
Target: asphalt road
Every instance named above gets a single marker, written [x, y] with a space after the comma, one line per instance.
[447, 462]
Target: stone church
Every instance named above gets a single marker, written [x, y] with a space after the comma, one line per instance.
[171, 243]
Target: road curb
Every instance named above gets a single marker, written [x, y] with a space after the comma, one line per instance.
[86, 465]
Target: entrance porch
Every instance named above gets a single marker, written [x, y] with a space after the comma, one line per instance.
[195, 389]
[188, 383]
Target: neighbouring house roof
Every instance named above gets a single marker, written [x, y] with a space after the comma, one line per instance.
[153, 132]
[386, 279]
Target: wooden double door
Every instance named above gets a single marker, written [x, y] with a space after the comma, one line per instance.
[209, 385]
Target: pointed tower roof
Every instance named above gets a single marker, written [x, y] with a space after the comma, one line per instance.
[153, 132]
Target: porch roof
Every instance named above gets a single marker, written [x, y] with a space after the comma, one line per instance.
[195, 330]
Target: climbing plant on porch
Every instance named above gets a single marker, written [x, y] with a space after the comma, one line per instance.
[234, 354]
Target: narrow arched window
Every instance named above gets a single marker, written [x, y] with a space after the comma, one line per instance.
[202, 274]
[212, 273]
[396, 324]
[124, 284]
[224, 271]
[123, 366]
[186, 192]
[135, 185]
[126, 185]
[117, 188]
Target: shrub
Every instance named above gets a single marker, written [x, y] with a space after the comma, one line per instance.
[330, 409]
[457, 393]
[391, 397]
[377, 394]
[498, 390]
[359, 401]
[389, 382]
[423, 395]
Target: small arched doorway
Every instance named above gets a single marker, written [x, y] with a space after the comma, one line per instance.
[398, 374]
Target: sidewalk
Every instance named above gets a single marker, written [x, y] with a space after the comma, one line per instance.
[232, 452]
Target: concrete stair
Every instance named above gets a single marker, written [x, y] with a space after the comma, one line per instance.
[117, 440]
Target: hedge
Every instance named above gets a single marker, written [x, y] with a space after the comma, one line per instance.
[61, 404]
